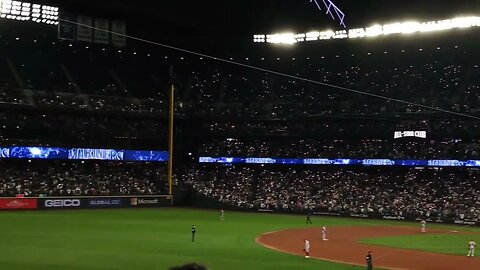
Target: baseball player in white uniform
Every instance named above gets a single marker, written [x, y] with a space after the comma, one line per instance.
[306, 248]
[324, 233]
[471, 248]
[424, 224]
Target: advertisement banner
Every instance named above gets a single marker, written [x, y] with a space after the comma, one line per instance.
[404, 134]
[54, 203]
[147, 202]
[104, 203]
[101, 28]
[344, 161]
[84, 28]
[40, 152]
[359, 215]
[4, 152]
[50, 203]
[327, 213]
[464, 222]
[17, 203]
[120, 28]
[393, 217]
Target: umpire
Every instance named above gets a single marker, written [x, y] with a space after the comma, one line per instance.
[369, 261]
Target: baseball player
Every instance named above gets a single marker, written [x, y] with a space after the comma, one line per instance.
[194, 231]
[471, 248]
[222, 215]
[369, 261]
[306, 248]
[324, 233]
[309, 220]
[424, 224]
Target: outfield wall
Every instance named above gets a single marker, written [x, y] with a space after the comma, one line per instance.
[406, 218]
[85, 202]
[202, 201]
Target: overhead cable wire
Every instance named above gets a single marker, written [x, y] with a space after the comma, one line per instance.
[286, 75]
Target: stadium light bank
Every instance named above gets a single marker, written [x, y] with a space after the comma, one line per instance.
[22, 11]
[409, 27]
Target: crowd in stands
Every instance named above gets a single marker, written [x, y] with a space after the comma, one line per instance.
[394, 192]
[82, 130]
[75, 178]
[96, 79]
[76, 95]
[398, 192]
[401, 148]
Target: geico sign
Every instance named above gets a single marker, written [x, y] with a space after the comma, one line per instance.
[63, 203]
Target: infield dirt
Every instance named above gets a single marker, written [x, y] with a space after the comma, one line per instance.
[343, 246]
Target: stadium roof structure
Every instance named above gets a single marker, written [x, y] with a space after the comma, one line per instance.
[247, 17]
[227, 27]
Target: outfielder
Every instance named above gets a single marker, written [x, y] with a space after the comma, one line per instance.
[309, 220]
[424, 224]
[306, 248]
[194, 231]
[222, 215]
[324, 233]
[471, 248]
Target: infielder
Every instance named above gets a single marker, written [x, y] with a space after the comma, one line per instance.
[324, 233]
[306, 248]
[471, 248]
[424, 224]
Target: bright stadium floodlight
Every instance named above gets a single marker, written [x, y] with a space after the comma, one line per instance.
[300, 37]
[409, 27]
[312, 36]
[356, 33]
[394, 28]
[259, 38]
[23, 11]
[285, 38]
[326, 35]
[464, 22]
[340, 34]
[373, 31]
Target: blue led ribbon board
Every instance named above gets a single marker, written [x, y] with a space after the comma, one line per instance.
[40, 152]
[343, 161]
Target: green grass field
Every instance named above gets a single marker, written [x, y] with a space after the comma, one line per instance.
[159, 238]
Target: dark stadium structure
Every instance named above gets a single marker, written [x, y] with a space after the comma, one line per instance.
[63, 93]
[231, 112]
